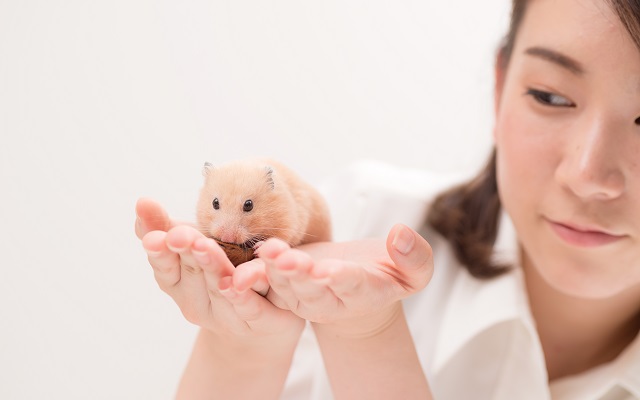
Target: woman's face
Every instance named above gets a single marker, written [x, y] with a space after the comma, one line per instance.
[568, 146]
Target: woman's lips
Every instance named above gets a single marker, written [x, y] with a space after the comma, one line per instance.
[583, 237]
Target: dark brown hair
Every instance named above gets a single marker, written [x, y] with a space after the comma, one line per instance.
[468, 215]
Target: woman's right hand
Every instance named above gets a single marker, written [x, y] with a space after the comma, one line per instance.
[244, 337]
[197, 274]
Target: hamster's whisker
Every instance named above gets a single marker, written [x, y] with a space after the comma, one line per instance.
[253, 240]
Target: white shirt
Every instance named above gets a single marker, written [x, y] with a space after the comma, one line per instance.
[476, 339]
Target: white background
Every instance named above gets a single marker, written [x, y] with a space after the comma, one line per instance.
[102, 102]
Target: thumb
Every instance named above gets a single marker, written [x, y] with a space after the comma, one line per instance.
[412, 255]
[150, 216]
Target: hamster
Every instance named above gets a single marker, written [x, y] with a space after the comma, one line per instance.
[245, 202]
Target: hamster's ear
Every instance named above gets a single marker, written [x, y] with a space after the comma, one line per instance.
[269, 175]
[206, 170]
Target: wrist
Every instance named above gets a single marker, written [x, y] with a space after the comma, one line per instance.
[263, 349]
[362, 327]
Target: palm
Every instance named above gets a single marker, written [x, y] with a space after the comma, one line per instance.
[197, 274]
[332, 282]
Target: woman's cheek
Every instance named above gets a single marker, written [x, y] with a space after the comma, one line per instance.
[524, 169]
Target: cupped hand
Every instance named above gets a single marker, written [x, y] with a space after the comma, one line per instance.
[356, 286]
[197, 274]
[150, 216]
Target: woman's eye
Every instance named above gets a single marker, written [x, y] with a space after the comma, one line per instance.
[549, 99]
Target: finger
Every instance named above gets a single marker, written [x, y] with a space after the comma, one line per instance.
[411, 254]
[217, 268]
[180, 240]
[278, 278]
[306, 284]
[303, 291]
[344, 279]
[256, 311]
[193, 296]
[272, 248]
[165, 263]
[213, 261]
[251, 275]
[247, 304]
[150, 216]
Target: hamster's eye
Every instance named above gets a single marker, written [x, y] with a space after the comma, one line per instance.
[248, 206]
[216, 204]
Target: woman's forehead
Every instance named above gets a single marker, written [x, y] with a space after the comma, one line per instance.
[588, 31]
[574, 21]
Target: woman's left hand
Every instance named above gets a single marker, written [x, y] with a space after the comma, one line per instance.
[352, 286]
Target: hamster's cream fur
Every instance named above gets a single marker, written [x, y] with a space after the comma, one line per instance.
[258, 199]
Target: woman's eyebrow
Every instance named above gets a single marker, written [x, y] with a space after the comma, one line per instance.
[557, 58]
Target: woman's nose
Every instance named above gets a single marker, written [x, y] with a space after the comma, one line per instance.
[592, 163]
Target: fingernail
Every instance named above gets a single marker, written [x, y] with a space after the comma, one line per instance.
[403, 241]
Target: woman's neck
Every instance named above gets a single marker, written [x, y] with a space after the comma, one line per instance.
[578, 334]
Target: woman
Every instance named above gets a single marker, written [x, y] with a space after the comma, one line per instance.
[551, 310]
